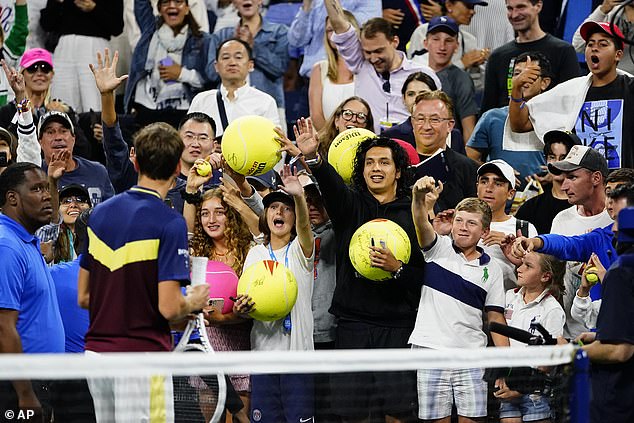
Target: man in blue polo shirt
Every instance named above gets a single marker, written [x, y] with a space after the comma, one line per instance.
[30, 321]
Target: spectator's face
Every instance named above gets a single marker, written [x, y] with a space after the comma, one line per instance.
[617, 205]
[213, 218]
[33, 200]
[198, 140]
[247, 8]
[557, 153]
[329, 30]
[467, 229]
[531, 90]
[411, 92]
[522, 14]
[281, 218]
[602, 55]
[70, 207]
[354, 115]
[431, 136]
[38, 77]
[56, 137]
[379, 51]
[460, 12]
[530, 273]
[379, 171]
[173, 12]
[316, 211]
[613, 207]
[579, 186]
[495, 190]
[5, 150]
[233, 64]
[441, 48]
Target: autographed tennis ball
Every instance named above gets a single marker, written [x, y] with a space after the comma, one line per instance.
[272, 287]
[380, 233]
[592, 277]
[249, 145]
[344, 148]
[203, 169]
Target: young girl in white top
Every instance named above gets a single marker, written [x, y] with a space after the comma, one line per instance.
[537, 299]
[289, 241]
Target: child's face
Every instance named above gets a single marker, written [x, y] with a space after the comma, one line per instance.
[467, 229]
[281, 218]
[530, 273]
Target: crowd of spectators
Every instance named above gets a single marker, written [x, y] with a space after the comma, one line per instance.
[504, 150]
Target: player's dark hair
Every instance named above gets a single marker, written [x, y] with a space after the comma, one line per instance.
[625, 190]
[401, 161]
[158, 148]
[199, 117]
[244, 43]
[13, 177]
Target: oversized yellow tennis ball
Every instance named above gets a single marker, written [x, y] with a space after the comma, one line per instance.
[343, 149]
[203, 169]
[249, 146]
[272, 287]
[592, 277]
[381, 233]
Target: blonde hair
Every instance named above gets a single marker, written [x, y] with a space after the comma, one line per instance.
[557, 269]
[331, 54]
[475, 205]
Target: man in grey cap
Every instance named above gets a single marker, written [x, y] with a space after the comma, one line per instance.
[584, 170]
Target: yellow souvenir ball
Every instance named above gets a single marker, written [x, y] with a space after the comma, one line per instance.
[343, 149]
[249, 146]
[203, 169]
[380, 233]
[272, 287]
[592, 277]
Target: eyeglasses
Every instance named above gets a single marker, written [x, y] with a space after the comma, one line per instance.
[349, 114]
[190, 136]
[73, 199]
[176, 2]
[44, 67]
[433, 120]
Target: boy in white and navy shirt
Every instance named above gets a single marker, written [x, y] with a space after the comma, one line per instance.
[461, 281]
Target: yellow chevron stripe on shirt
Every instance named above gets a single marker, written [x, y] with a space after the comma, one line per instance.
[131, 252]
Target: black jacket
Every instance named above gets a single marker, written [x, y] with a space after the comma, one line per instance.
[391, 303]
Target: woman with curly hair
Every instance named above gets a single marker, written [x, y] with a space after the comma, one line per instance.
[220, 233]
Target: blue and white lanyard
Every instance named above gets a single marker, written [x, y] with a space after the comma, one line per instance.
[287, 320]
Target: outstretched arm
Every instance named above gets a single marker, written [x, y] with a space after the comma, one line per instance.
[337, 18]
[293, 187]
[518, 113]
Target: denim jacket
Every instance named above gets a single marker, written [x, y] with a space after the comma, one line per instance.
[270, 57]
[198, 54]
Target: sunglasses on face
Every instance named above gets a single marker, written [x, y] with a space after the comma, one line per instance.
[73, 199]
[44, 67]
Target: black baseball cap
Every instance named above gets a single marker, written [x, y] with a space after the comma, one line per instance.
[75, 189]
[278, 195]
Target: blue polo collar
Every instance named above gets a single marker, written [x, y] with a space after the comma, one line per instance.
[482, 260]
[19, 230]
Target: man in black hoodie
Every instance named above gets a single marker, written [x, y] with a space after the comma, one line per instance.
[371, 314]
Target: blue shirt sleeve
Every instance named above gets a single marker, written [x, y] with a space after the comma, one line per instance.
[173, 255]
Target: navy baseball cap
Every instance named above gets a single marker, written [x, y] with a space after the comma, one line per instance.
[442, 24]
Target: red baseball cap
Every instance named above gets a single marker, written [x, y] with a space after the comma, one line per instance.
[590, 27]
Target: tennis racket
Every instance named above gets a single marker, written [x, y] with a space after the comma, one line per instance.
[198, 398]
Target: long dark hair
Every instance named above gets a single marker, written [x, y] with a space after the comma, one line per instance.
[401, 161]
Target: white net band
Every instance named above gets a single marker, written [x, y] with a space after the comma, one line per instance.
[74, 366]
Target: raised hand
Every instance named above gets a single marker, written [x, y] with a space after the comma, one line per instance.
[494, 238]
[57, 164]
[286, 144]
[292, 186]
[430, 10]
[194, 180]
[422, 188]
[394, 16]
[16, 80]
[527, 77]
[507, 248]
[443, 222]
[306, 138]
[523, 246]
[105, 72]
